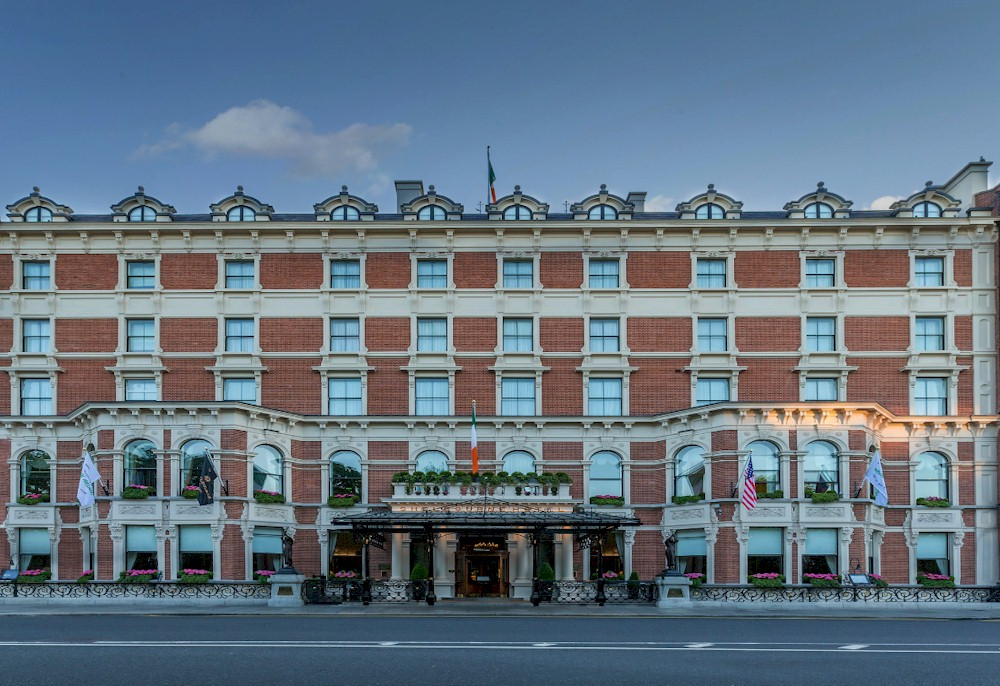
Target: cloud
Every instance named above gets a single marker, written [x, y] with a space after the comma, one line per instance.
[265, 130]
[883, 202]
[660, 203]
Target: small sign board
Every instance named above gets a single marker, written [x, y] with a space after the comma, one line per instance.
[860, 579]
[9, 575]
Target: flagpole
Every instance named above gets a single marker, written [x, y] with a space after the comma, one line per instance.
[489, 166]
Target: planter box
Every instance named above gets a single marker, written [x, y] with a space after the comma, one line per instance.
[283, 513]
[826, 513]
[937, 518]
[768, 512]
[31, 515]
[683, 516]
[139, 511]
[191, 511]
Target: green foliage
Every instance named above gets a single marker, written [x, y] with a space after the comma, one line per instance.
[132, 493]
[342, 500]
[773, 494]
[563, 478]
[934, 502]
[401, 478]
[776, 582]
[34, 578]
[266, 498]
[825, 497]
[546, 573]
[419, 572]
[183, 578]
[33, 498]
[613, 501]
[685, 499]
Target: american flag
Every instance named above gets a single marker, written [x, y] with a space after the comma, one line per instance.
[749, 486]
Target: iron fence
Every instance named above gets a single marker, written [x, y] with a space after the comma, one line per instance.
[151, 590]
[599, 592]
[848, 594]
[330, 591]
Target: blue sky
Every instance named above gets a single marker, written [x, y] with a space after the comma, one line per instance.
[292, 100]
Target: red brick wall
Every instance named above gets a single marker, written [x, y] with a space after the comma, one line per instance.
[387, 458]
[196, 335]
[648, 476]
[561, 269]
[388, 389]
[895, 558]
[487, 455]
[474, 334]
[475, 382]
[966, 389]
[659, 269]
[306, 476]
[292, 385]
[475, 270]
[7, 334]
[877, 333]
[876, 268]
[768, 334]
[388, 270]
[301, 334]
[727, 553]
[566, 396]
[767, 268]
[68, 478]
[658, 334]
[560, 335]
[879, 380]
[659, 386]
[86, 335]
[188, 380]
[233, 561]
[86, 272]
[895, 466]
[966, 474]
[388, 334]
[725, 470]
[963, 333]
[768, 380]
[962, 265]
[296, 270]
[84, 381]
[6, 272]
[188, 271]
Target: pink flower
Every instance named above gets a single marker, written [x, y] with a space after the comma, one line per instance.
[694, 575]
[264, 572]
[88, 572]
[876, 576]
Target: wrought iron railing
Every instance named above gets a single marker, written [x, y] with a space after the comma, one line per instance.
[327, 591]
[849, 594]
[151, 590]
[599, 592]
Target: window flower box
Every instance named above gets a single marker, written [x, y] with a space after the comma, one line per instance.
[86, 577]
[33, 498]
[343, 576]
[878, 581]
[137, 492]
[936, 580]
[138, 576]
[34, 576]
[824, 497]
[262, 576]
[190, 492]
[933, 501]
[767, 580]
[342, 500]
[686, 499]
[697, 579]
[773, 495]
[613, 500]
[823, 580]
[194, 576]
[268, 497]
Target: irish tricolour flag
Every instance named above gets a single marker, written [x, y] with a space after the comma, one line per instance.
[473, 442]
[491, 176]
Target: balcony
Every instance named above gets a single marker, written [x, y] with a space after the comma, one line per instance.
[31, 515]
[137, 511]
[455, 493]
[683, 516]
[272, 513]
[936, 519]
[826, 513]
[188, 510]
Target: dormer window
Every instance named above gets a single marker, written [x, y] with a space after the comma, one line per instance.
[431, 213]
[600, 212]
[926, 210]
[710, 211]
[38, 214]
[241, 213]
[516, 213]
[345, 213]
[819, 210]
[142, 214]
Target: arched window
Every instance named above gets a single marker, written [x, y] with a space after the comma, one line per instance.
[767, 474]
[689, 472]
[519, 461]
[927, 209]
[38, 214]
[241, 213]
[36, 479]
[345, 474]
[142, 214]
[192, 459]
[710, 211]
[268, 470]
[140, 464]
[432, 461]
[602, 212]
[606, 474]
[931, 478]
[345, 213]
[821, 471]
[818, 210]
[517, 213]
[431, 213]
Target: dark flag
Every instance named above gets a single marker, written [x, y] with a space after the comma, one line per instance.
[206, 483]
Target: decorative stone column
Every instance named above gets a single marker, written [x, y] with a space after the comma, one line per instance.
[399, 570]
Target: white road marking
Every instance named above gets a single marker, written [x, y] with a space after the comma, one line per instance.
[854, 646]
[700, 645]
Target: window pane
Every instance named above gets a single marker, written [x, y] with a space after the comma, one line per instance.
[432, 335]
[239, 273]
[821, 470]
[431, 213]
[140, 389]
[929, 334]
[432, 274]
[821, 389]
[431, 396]
[517, 397]
[930, 396]
[604, 397]
[765, 541]
[241, 213]
[606, 474]
[820, 273]
[517, 212]
[519, 461]
[35, 276]
[345, 396]
[711, 391]
[345, 274]
[140, 336]
[711, 273]
[604, 337]
[432, 461]
[38, 214]
[689, 472]
[36, 396]
[518, 274]
[518, 335]
[267, 469]
[345, 335]
[766, 467]
[603, 212]
[712, 335]
[345, 473]
[140, 274]
[821, 334]
[709, 211]
[603, 274]
[239, 335]
[929, 271]
[344, 213]
[240, 390]
[140, 464]
[35, 335]
[931, 478]
[192, 460]
[35, 474]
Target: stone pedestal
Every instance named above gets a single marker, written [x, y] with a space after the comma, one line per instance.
[674, 591]
[286, 590]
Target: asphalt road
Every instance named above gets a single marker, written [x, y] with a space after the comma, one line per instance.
[142, 649]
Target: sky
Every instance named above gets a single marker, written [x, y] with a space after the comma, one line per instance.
[292, 100]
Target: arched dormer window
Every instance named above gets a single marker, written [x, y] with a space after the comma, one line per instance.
[344, 207]
[931, 477]
[519, 461]
[602, 212]
[431, 213]
[709, 211]
[517, 213]
[142, 214]
[268, 470]
[517, 207]
[432, 461]
[241, 213]
[930, 203]
[821, 203]
[927, 210]
[345, 213]
[689, 472]
[36, 477]
[38, 214]
[37, 208]
[606, 474]
[240, 207]
[819, 210]
[345, 474]
[606, 206]
[710, 205]
[429, 206]
[140, 207]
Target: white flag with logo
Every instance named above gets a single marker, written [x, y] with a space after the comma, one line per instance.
[89, 477]
[877, 480]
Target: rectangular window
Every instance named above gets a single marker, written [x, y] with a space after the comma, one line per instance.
[932, 554]
[36, 397]
[35, 335]
[140, 274]
[821, 334]
[345, 396]
[196, 548]
[240, 390]
[345, 274]
[603, 274]
[820, 556]
[239, 273]
[432, 273]
[140, 548]
[928, 271]
[930, 396]
[604, 397]
[140, 336]
[432, 335]
[604, 336]
[518, 335]
[712, 335]
[765, 551]
[820, 389]
[431, 396]
[820, 272]
[692, 552]
[709, 391]
[517, 397]
[35, 276]
[345, 335]
[711, 273]
[34, 549]
[140, 389]
[266, 548]
[518, 274]
[929, 333]
[239, 336]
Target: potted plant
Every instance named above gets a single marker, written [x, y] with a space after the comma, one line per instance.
[767, 580]
[342, 500]
[189, 492]
[633, 585]
[138, 576]
[137, 492]
[33, 498]
[34, 576]
[418, 575]
[823, 580]
[546, 581]
[824, 497]
[607, 500]
[936, 580]
[934, 501]
[775, 494]
[268, 497]
[86, 577]
[685, 499]
[194, 576]
[697, 578]
[262, 576]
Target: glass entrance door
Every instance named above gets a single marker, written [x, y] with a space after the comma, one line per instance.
[481, 567]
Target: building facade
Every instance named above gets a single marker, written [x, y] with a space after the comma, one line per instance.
[323, 359]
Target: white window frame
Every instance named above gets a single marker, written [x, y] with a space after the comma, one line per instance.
[815, 342]
[591, 276]
[605, 382]
[715, 382]
[153, 336]
[518, 402]
[432, 342]
[25, 263]
[920, 382]
[346, 260]
[346, 400]
[44, 341]
[134, 381]
[919, 337]
[424, 380]
[153, 277]
[226, 262]
[812, 379]
[242, 338]
[229, 382]
[422, 261]
[332, 322]
[530, 261]
[711, 336]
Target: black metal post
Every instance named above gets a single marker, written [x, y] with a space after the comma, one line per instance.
[366, 584]
[536, 596]
[431, 597]
[601, 598]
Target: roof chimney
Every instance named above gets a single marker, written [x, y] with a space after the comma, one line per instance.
[638, 199]
[407, 192]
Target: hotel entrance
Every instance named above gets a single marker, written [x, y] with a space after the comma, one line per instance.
[481, 567]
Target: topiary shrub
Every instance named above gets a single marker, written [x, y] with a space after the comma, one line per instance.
[546, 573]
[419, 572]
